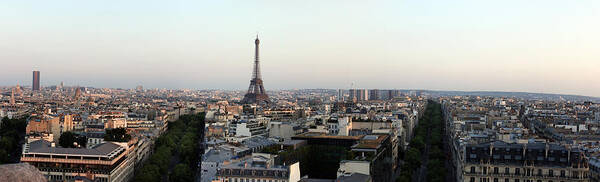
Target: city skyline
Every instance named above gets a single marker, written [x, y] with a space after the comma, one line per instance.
[436, 45]
[351, 87]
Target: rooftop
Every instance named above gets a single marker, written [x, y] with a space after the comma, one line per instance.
[217, 156]
[370, 142]
[354, 177]
[323, 135]
[44, 147]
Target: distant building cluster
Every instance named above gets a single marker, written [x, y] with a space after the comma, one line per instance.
[88, 113]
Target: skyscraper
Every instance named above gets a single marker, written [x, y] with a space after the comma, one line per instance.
[12, 96]
[256, 92]
[359, 94]
[353, 95]
[374, 94]
[36, 81]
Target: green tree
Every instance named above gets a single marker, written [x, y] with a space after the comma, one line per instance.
[181, 173]
[117, 135]
[7, 142]
[418, 142]
[12, 132]
[413, 158]
[4, 156]
[187, 147]
[68, 140]
[179, 142]
[404, 177]
[148, 173]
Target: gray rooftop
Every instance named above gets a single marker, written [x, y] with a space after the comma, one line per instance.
[258, 142]
[103, 150]
[354, 177]
[218, 156]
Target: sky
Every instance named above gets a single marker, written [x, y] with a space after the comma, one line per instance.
[547, 46]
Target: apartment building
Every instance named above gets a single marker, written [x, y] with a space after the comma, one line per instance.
[106, 162]
[529, 162]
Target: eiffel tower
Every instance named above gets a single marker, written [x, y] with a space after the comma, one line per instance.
[256, 92]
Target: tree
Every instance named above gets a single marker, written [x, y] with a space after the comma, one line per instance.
[167, 140]
[188, 146]
[413, 157]
[117, 135]
[148, 173]
[179, 142]
[7, 142]
[12, 132]
[405, 177]
[68, 140]
[418, 142]
[181, 173]
[3, 156]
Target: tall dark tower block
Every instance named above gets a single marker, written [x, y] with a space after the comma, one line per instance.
[256, 92]
[36, 81]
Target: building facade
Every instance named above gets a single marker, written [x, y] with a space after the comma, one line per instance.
[259, 168]
[35, 86]
[107, 162]
[532, 162]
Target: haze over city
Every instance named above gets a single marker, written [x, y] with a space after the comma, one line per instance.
[300, 91]
[530, 46]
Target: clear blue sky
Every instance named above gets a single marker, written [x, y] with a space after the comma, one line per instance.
[546, 46]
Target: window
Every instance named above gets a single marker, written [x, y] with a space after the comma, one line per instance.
[539, 172]
[506, 171]
[516, 180]
[517, 172]
[495, 170]
[484, 170]
[472, 169]
[495, 179]
[562, 173]
[551, 173]
[506, 180]
[472, 179]
[528, 173]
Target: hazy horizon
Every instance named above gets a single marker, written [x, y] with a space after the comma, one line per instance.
[464, 45]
